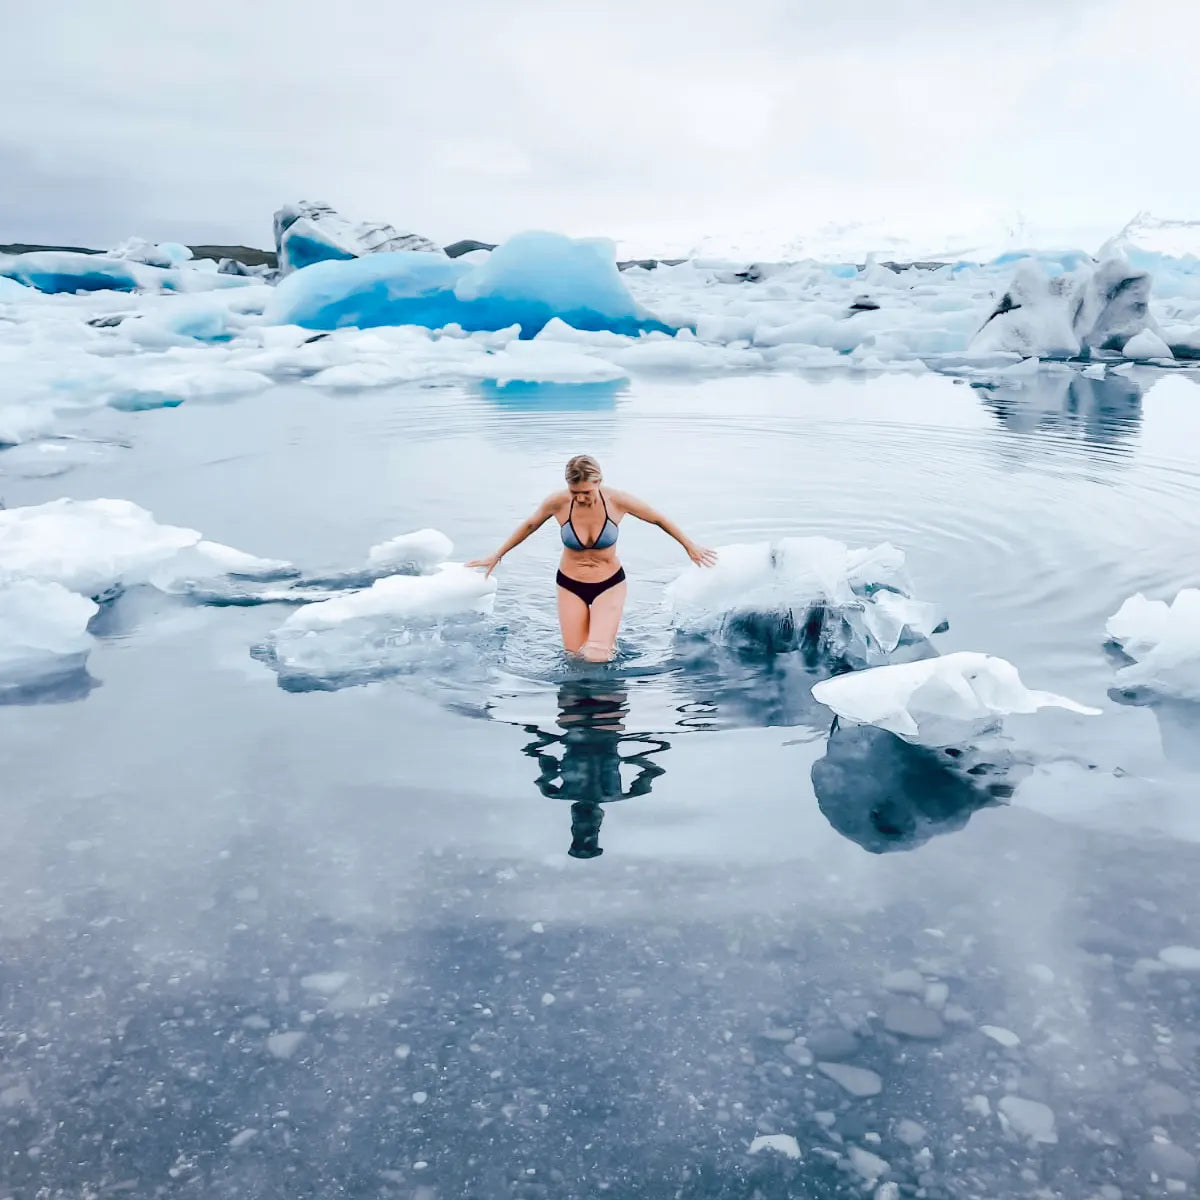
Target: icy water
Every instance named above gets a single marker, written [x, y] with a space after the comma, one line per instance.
[266, 942]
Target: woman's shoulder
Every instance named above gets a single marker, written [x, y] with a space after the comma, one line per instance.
[556, 501]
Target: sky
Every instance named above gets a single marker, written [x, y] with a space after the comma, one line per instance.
[655, 123]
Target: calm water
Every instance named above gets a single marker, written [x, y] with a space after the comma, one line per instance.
[404, 875]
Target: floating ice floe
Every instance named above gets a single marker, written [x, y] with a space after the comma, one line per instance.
[311, 231]
[937, 701]
[400, 624]
[530, 279]
[97, 547]
[1163, 642]
[813, 593]
[43, 632]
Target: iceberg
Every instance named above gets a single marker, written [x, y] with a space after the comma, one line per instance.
[1101, 306]
[1162, 642]
[165, 254]
[67, 271]
[937, 701]
[43, 633]
[401, 624]
[531, 279]
[813, 593]
[97, 547]
[311, 231]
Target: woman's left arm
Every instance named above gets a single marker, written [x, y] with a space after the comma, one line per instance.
[700, 555]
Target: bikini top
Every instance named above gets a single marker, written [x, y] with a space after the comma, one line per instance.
[608, 535]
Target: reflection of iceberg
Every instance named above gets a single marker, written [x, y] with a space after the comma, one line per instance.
[937, 701]
[1104, 410]
[840, 606]
[584, 762]
[529, 280]
[401, 624]
[885, 794]
[1162, 642]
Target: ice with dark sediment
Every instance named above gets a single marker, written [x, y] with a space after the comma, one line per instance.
[847, 607]
[311, 231]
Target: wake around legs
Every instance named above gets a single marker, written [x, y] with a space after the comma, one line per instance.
[591, 580]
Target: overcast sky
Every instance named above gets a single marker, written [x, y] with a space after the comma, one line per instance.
[639, 119]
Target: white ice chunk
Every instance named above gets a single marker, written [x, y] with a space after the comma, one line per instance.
[94, 546]
[417, 553]
[537, 362]
[1165, 642]
[89, 546]
[43, 631]
[1146, 344]
[450, 590]
[925, 701]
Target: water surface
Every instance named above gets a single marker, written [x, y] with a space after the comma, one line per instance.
[405, 873]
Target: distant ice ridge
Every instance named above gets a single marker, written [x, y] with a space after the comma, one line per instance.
[850, 606]
[937, 701]
[399, 625]
[311, 231]
[530, 279]
[1163, 643]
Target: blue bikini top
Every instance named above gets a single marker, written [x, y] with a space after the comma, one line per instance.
[608, 535]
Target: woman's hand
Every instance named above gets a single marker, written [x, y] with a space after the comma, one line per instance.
[701, 555]
[489, 564]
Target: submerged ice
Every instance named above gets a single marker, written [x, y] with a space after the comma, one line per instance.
[846, 606]
[400, 624]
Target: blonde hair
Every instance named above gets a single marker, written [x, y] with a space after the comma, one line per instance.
[583, 468]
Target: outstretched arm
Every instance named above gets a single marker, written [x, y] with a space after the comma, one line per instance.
[531, 525]
[700, 555]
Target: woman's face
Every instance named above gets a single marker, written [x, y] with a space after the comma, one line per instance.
[584, 493]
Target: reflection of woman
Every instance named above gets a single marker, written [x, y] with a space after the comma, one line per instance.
[591, 580]
[588, 771]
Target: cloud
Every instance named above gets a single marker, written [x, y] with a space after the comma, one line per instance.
[629, 117]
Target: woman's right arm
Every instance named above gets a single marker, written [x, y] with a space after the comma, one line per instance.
[531, 525]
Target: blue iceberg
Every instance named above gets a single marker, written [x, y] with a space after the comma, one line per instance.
[527, 281]
[68, 271]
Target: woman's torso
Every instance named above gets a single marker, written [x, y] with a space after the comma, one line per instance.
[582, 525]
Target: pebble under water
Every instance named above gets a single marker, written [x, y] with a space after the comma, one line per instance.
[497, 926]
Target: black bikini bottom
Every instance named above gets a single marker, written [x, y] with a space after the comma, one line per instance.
[587, 592]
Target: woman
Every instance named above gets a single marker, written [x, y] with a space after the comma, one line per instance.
[591, 580]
